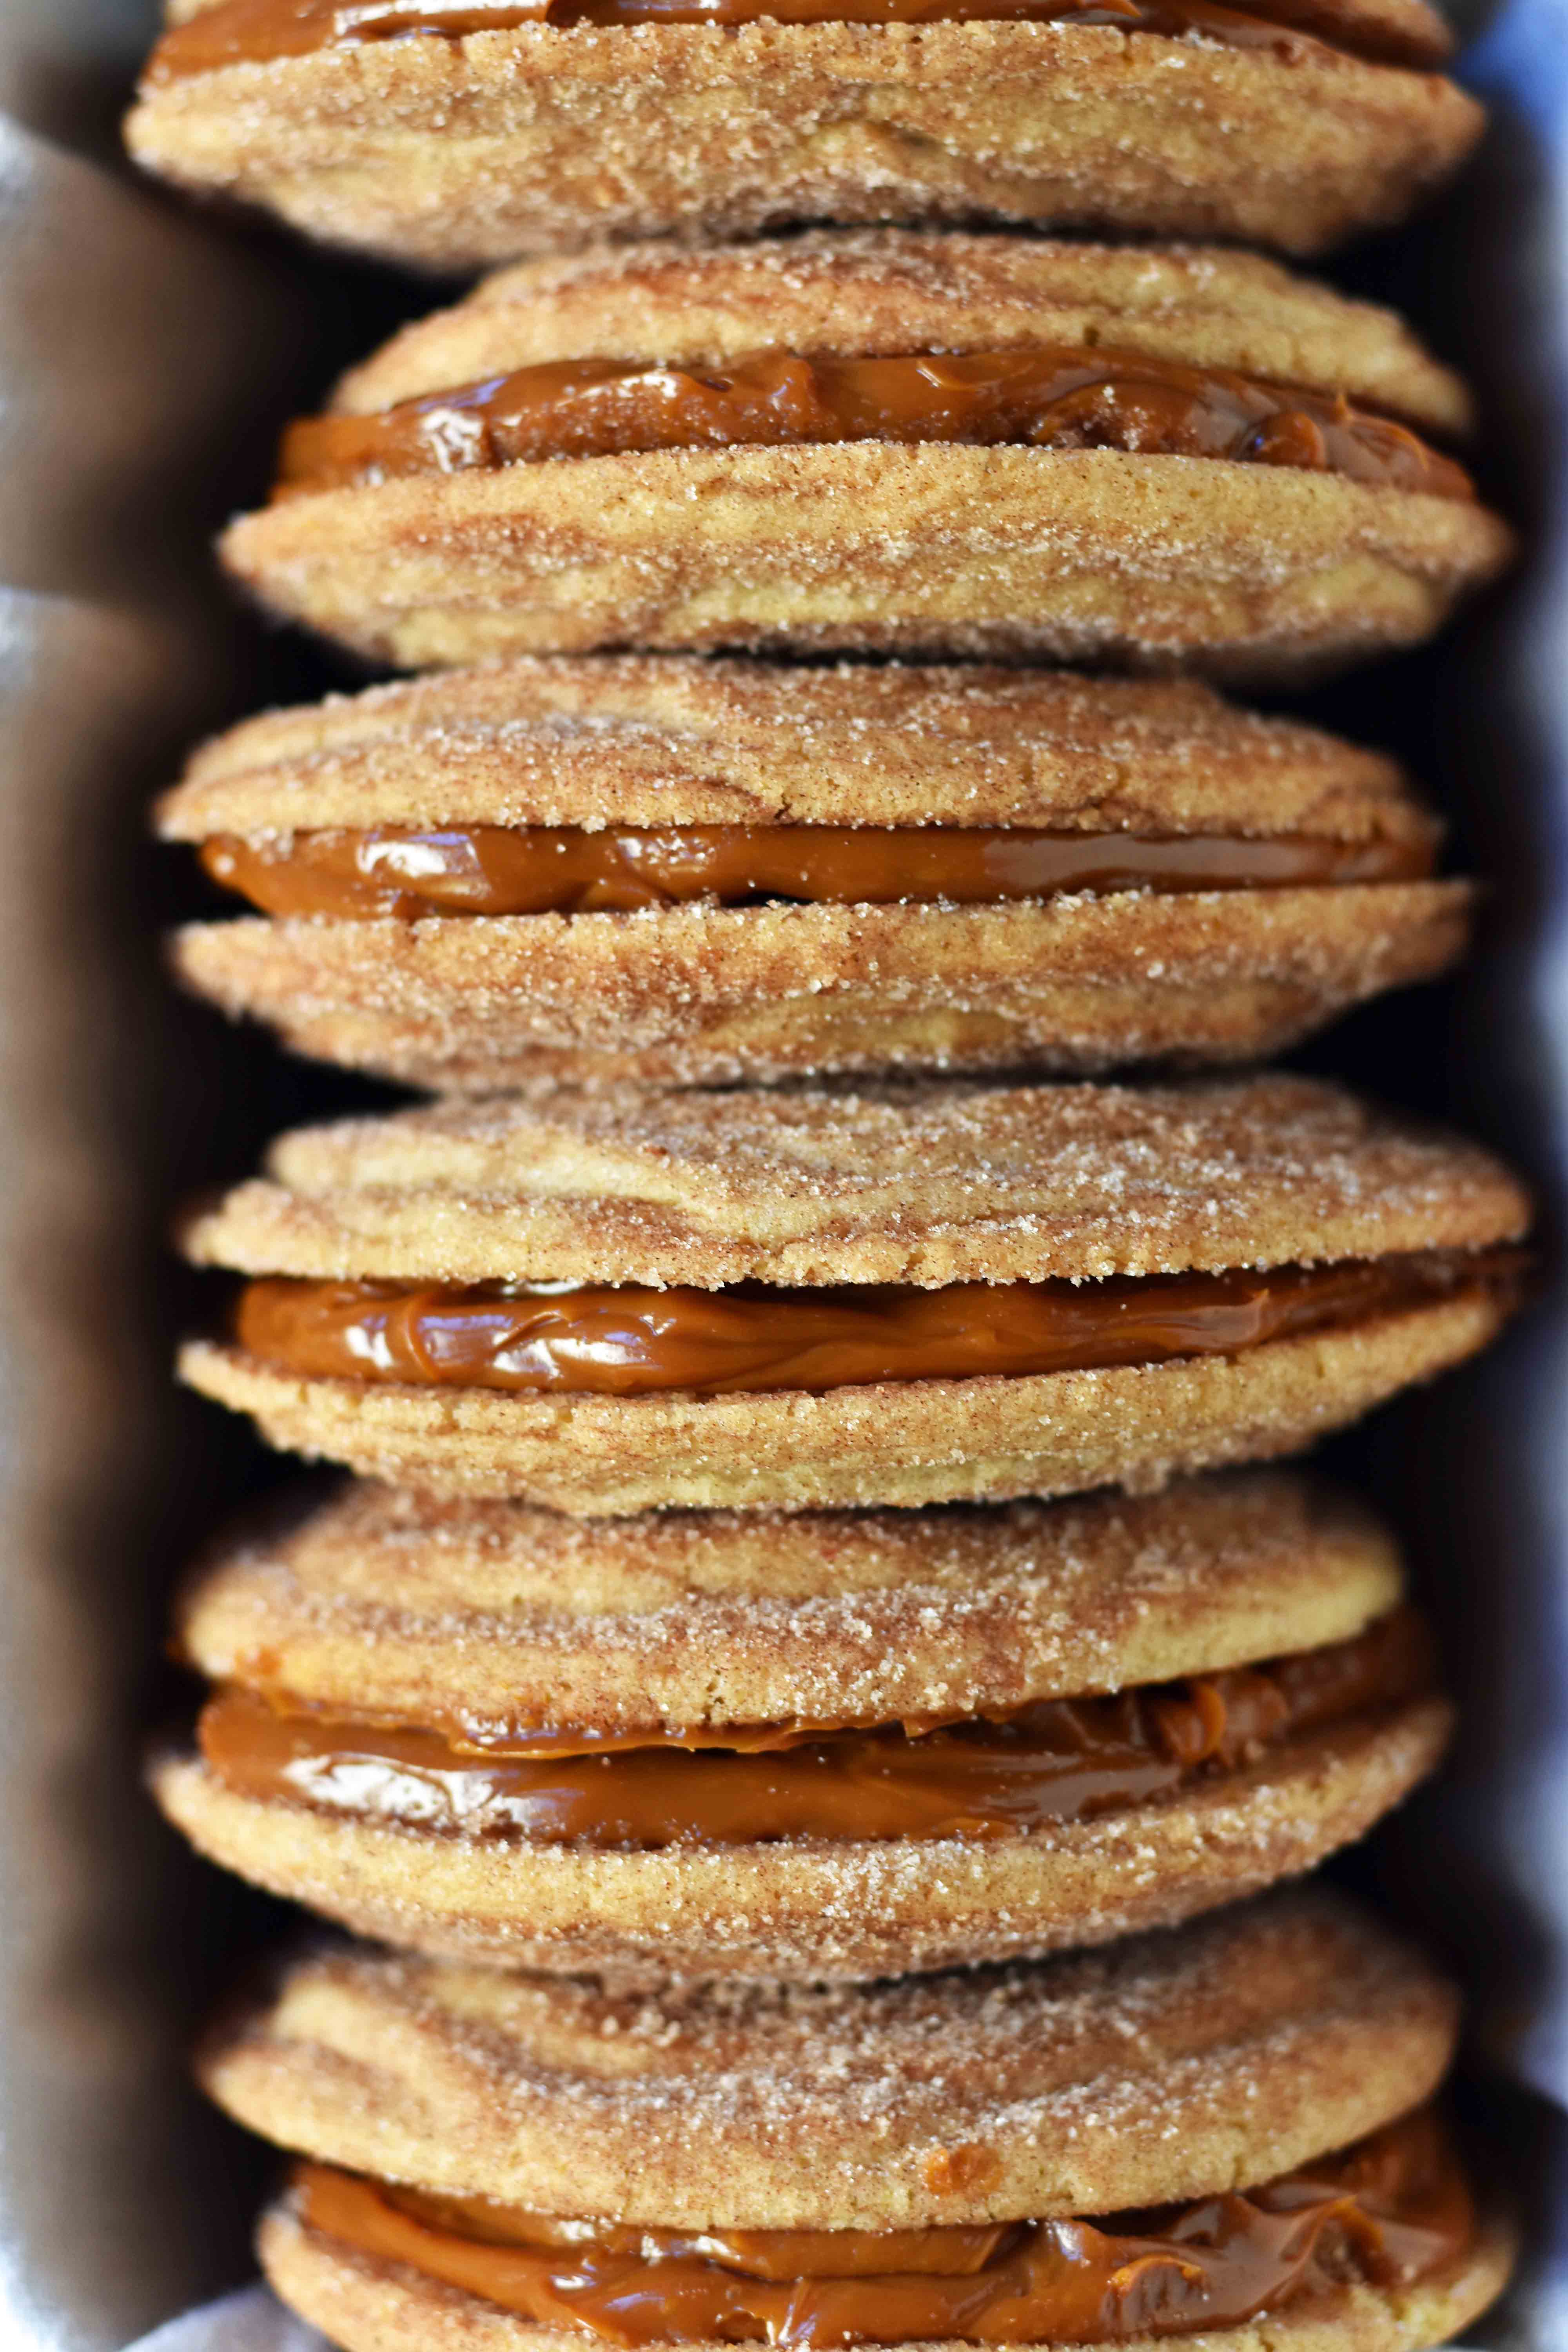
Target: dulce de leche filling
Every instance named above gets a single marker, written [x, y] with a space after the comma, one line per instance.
[628, 1342]
[1055, 1760]
[491, 869]
[1393, 2209]
[1052, 398]
[249, 32]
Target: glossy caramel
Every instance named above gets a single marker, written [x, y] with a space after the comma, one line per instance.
[491, 869]
[629, 1341]
[1050, 398]
[1056, 1761]
[246, 32]
[1393, 2209]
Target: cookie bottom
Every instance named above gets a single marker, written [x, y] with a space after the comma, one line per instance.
[1252, 572]
[704, 996]
[454, 154]
[816, 1909]
[371, 2305]
[985, 1439]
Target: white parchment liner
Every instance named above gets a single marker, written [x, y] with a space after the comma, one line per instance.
[133, 346]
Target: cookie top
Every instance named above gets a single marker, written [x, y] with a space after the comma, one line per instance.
[926, 1184]
[650, 739]
[402, 1607]
[865, 293]
[1169, 2066]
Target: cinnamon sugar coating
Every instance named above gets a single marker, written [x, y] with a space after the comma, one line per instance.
[1255, 573]
[1167, 2067]
[922, 1441]
[453, 155]
[870, 292]
[716, 996]
[704, 994]
[1136, 561]
[814, 1909]
[925, 1184]
[368, 2305]
[651, 740]
[391, 1603]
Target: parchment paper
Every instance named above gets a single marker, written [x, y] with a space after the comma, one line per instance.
[136, 350]
[251, 2321]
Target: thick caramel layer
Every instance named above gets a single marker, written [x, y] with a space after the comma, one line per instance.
[632, 1342]
[1052, 398]
[491, 869]
[1392, 2209]
[248, 32]
[1058, 1759]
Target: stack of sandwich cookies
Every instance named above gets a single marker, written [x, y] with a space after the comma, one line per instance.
[1227, 2131]
[805, 1689]
[662, 871]
[885, 441]
[454, 135]
[934, 1292]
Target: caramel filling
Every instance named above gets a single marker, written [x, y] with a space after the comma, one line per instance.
[1393, 2209]
[491, 869]
[1048, 399]
[632, 1342]
[1055, 1760]
[249, 32]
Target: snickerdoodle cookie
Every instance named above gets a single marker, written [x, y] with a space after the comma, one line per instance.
[884, 442]
[453, 133]
[805, 1745]
[922, 1292]
[1226, 2129]
[662, 870]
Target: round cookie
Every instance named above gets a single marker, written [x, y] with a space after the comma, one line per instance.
[1165, 2071]
[329, 816]
[707, 1618]
[1309, 536]
[1265, 2035]
[453, 152]
[475, 1625]
[977, 1257]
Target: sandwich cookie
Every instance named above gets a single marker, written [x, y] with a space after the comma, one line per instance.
[884, 442]
[1225, 2131]
[455, 133]
[661, 870]
[927, 1293]
[808, 1746]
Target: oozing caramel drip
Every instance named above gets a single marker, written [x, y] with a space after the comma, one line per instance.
[1057, 1760]
[629, 1341]
[491, 869]
[1391, 2211]
[1053, 398]
[248, 32]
